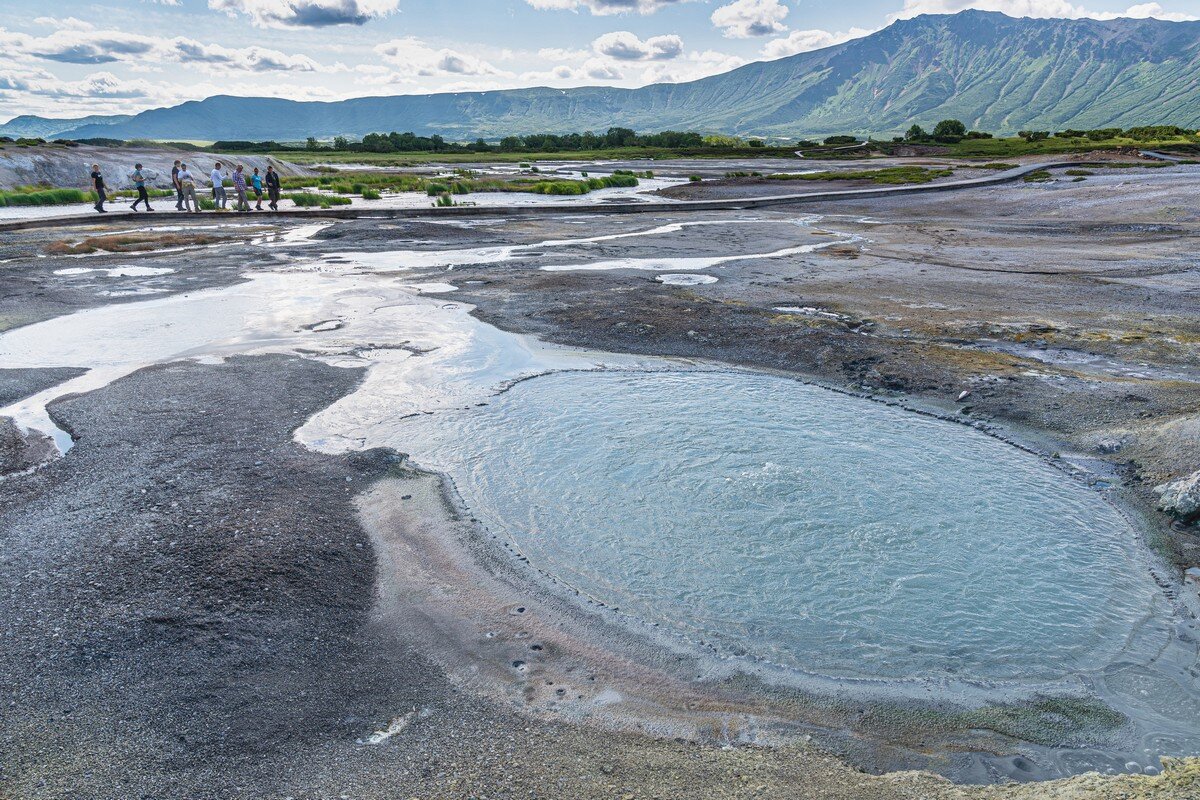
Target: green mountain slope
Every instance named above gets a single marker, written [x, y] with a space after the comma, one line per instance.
[992, 71]
[34, 127]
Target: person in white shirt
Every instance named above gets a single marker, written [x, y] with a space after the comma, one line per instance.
[187, 186]
[220, 199]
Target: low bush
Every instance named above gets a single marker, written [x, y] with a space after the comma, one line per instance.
[46, 197]
[311, 200]
[371, 194]
[886, 175]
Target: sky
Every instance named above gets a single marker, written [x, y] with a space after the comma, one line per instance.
[125, 56]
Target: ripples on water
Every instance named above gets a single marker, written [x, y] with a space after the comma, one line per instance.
[825, 532]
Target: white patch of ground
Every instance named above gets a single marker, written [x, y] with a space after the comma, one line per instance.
[688, 263]
[117, 272]
[684, 279]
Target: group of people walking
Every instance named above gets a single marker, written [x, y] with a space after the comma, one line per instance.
[184, 183]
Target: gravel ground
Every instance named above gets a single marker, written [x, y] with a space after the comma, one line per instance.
[190, 597]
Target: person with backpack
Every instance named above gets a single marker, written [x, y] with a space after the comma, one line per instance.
[98, 187]
[273, 188]
[139, 182]
[187, 189]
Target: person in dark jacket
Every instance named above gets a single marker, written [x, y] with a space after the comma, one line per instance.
[273, 188]
[139, 182]
[98, 187]
[178, 186]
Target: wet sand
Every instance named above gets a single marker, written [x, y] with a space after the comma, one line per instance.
[317, 600]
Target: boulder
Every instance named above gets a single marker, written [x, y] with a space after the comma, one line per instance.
[1181, 498]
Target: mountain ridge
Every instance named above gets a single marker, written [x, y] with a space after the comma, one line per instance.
[992, 71]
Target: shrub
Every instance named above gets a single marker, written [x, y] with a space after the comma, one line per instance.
[561, 187]
[695, 178]
[841, 140]
[371, 194]
[45, 197]
[1147, 133]
[433, 189]
[444, 200]
[310, 200]
[949, 130]
[886, 175]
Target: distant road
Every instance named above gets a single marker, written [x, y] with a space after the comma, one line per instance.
[675, 206]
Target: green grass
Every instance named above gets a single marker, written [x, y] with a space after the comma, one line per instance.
[1007, 148]
[1040, 176]
[28, 196]
[1079, 172]
[311, 200]
[371, 194]
[887, 175]
[616, 153]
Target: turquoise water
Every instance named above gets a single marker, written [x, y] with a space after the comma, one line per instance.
[827, 533]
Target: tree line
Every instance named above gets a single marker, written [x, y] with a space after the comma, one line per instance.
[951, 131]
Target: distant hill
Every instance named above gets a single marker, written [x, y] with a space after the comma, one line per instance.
[992, 71]
[33, 127]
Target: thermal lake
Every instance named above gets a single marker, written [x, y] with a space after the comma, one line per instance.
[822, 531]
[845, 542]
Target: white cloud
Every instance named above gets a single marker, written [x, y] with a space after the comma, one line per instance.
[743, 19]
[606, 7]
[1035, 8]
[74, 45]
[306, 13]
[804, 41]
[562, 54]
[63, 23]
[626, 46]
[690, 67]
[1148, 11]
[413, 55]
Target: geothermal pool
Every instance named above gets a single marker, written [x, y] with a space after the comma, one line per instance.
[839, 538]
